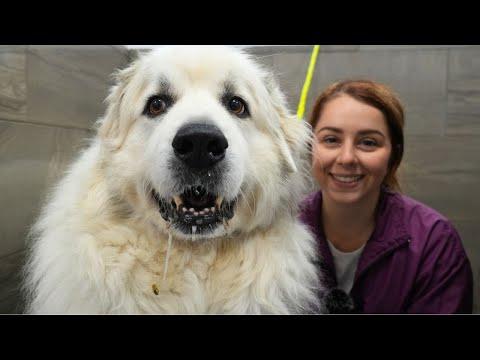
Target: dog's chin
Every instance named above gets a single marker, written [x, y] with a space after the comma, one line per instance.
[195, 212]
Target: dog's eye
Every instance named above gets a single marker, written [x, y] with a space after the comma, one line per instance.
[156, 106]
[237, 106]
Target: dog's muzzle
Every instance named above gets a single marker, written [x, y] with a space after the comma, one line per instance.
[197, 207]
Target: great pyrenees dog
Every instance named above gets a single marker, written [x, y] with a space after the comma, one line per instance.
[185, 201]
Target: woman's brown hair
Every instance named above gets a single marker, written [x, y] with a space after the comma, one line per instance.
[380, 97]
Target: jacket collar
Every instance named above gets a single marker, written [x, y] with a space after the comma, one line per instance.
[389, 234]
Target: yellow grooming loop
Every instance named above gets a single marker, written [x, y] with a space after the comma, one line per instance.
[308, 81]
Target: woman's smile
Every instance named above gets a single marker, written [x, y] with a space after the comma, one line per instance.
[346, 181]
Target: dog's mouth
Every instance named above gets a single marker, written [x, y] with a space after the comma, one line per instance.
[195, 211]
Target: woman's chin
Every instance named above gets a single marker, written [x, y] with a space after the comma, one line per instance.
[345, 197]
[352, 196]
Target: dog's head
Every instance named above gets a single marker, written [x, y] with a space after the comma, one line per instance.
[199, 140]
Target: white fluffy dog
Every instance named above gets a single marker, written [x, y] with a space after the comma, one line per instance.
[186, 200]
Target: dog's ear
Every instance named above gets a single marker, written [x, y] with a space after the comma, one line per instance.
[112, 125]
[293, 135]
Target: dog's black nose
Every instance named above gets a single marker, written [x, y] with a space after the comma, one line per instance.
[199, 145]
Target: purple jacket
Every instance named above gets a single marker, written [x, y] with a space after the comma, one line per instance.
[414, 262]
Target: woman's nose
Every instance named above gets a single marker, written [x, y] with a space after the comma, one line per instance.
[347, 155]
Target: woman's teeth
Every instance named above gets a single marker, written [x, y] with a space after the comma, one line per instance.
[347, 178]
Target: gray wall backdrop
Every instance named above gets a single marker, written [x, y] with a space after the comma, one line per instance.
[51, 96]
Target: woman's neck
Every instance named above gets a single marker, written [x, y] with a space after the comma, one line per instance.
[349, 226]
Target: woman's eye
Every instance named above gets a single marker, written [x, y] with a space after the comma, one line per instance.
[369, 143]
[238, 106]
[156, 106]
[330, 140]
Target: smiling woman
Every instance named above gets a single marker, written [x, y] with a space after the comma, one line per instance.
[348, 134]
[390, 253]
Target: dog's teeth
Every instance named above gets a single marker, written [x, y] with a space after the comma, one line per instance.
[184, 209]
[212, 209]
[194, 229]
[201, 212]
[195, 213]
[191, 209]
[206, 210]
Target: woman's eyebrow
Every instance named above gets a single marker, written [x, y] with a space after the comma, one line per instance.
[370, 131]
[330, 128]
[361, 132]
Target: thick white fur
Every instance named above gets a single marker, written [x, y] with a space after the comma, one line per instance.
[100, 243]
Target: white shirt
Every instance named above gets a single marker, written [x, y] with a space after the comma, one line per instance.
[345, 266]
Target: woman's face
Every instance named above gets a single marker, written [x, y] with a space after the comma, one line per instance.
[351, 151]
